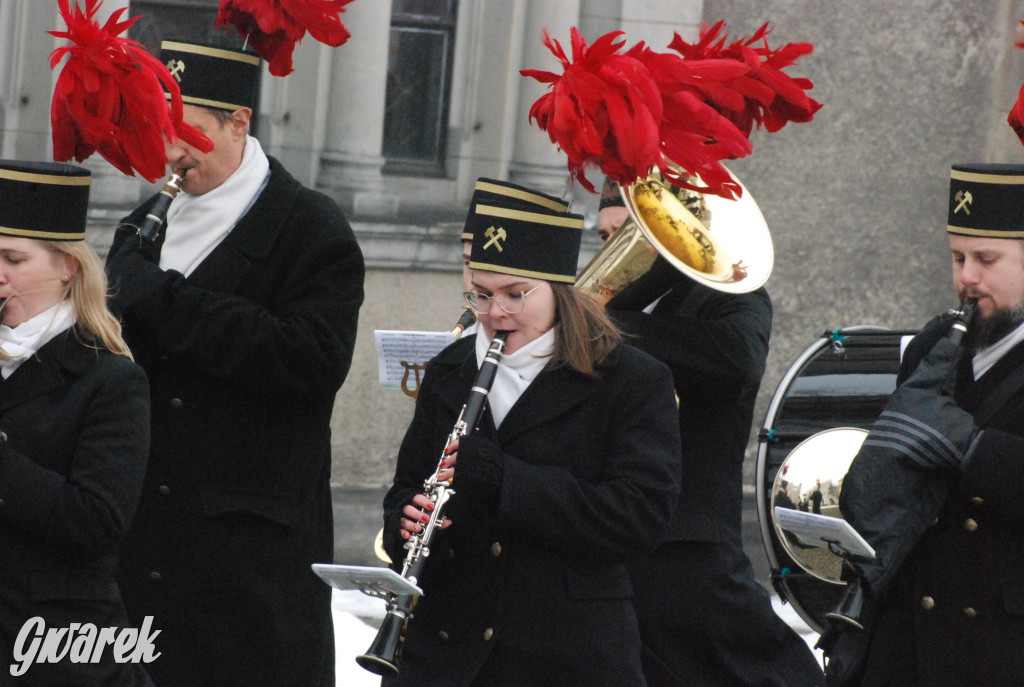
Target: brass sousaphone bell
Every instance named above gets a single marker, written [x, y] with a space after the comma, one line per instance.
[721, 243]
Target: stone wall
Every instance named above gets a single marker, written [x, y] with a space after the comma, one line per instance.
[856, 199]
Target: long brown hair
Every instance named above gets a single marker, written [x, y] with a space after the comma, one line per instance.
[584, 334]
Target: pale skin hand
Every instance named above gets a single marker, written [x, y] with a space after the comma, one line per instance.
[417, 513]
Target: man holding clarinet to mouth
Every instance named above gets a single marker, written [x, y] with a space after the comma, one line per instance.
[241, 304]
[938, 485]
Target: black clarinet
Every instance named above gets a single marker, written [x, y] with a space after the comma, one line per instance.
[158, 211]
[380, 658]
[468, 319]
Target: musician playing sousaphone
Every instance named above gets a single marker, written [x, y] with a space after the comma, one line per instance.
[938, 485]
[698, 304]
[571, 472]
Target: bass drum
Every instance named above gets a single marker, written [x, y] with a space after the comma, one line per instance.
[813, 428]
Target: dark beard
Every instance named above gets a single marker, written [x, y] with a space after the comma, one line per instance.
[984, 332]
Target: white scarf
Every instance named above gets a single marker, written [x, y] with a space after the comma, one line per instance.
[197, 224]
[515, 372]
[985, 358]
[22, 342]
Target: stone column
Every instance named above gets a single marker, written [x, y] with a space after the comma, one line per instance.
[536, 161]
[654, 21]
[352, 161]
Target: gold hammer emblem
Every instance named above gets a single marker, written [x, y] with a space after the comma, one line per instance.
[496, 236]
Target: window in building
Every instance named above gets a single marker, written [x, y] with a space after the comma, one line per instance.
[418, 86]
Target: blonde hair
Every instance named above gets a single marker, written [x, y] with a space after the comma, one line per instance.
[87, 291]
[584, 334]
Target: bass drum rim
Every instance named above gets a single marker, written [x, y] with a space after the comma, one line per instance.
[781, 575]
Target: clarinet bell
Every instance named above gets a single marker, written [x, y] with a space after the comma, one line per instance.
[851, 606]
[381, 657]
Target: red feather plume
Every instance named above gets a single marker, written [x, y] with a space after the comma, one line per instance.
[695, 136]
[603, 110]
[629, 113]
[764, 95]
[1016, 116]
[109, 99]
[273, 27]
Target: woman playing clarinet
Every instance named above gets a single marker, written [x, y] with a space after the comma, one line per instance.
[572, 470]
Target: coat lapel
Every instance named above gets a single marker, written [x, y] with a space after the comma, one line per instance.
[252, 238]
[42, 373]
[553, 393]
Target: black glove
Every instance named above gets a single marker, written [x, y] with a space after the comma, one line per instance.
[921, 422]
[137, 285]
[845, 649]
[847, 634]
[478, 476]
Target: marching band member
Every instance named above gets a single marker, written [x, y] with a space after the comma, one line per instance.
[949, 609]
[243, 313]
[704, 618]
[74, 431]
[572, 472]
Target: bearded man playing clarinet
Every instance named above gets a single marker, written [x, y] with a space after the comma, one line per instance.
[944, 599]
[242, 309]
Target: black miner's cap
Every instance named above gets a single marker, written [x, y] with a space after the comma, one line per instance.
[986, 200]
[43, 200]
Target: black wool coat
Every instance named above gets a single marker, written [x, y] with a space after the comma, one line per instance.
[704, 619]
[245, 357]
[528, 585]
[716, 345]
[955, 612]
[76, 421]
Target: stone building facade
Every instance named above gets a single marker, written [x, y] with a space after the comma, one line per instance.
[855, 199]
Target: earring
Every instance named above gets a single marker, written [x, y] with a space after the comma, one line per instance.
[65, 278]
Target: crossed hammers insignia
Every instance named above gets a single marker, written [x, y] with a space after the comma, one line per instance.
[964, 199]
[496, 236]
[176, 67]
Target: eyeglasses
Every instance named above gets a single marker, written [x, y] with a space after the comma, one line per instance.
[511, 302]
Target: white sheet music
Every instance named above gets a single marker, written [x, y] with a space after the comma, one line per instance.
[370, 580]
[823, 530]
[403, 355]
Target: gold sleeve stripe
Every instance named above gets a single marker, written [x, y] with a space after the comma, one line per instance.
[532, 217]
[211, 52]
[467, 236]
[1014, 179]
[52, 179]
[500, 190]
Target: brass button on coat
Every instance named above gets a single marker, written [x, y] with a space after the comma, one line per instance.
[970, 612]
[927, 603]
[970, 524]
[164, 490]
[443, 636]
[177, 403]
[496, 549]
[977, 500]
[488, 634]
[156, 577]
[2, 503]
